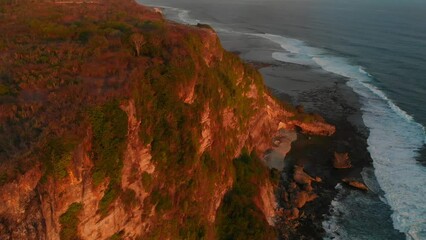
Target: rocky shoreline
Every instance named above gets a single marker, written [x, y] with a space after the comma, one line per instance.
[327, 163]
[314, 157]
[314, 165]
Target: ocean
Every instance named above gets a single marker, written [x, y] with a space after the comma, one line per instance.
[380, 46]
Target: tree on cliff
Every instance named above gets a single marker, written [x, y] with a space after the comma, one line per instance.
[138, 41]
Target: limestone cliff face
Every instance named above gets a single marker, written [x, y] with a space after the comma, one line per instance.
[268, 203]
[32, 209]
[152, 188]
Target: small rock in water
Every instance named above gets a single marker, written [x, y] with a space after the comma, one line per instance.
[356, 184]
[301, 177]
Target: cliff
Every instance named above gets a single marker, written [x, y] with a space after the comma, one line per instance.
[118, 124]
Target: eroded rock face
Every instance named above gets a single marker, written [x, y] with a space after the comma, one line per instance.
[31, 208]
[297, 193]
[303, 197]
[36, 212]
[187, 92]
[206, 133]
[268, 203]
[301, 177]
[79, 188]
[219, 191]
[212, 49]
[20, 215]
[16, 195]
[290, 214]
[266, 122]
[316, 128]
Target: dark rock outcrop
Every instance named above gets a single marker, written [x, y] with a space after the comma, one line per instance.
[297, 193]
[341, 160]
[355, 184]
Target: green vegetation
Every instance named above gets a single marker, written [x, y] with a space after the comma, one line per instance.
[4, 90]
[120, 26]
[238, 217]
[110, 195]
[161, 200]
[208, 163]
[57, 156]
[147, 181]
[129, 198]
[150, 26]
[192, 229]
[109, 125]
[72, 66]
[117, 236]
[154, 33]
[3, 178]
[172, 127]
[50, 30]
[69, 222]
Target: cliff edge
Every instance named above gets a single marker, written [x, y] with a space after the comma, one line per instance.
[117, 124]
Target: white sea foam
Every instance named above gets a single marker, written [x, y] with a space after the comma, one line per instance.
[297, 51]
[184, 17]
[292, 58]
[394, 137]
[178, 14]
[332, 226]
[358, 215]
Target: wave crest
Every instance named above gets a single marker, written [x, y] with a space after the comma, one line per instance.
[394, 141]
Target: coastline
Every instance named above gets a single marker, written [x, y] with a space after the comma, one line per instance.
[316, 89]
[329, 95]
[187, 131]
[340, 106]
